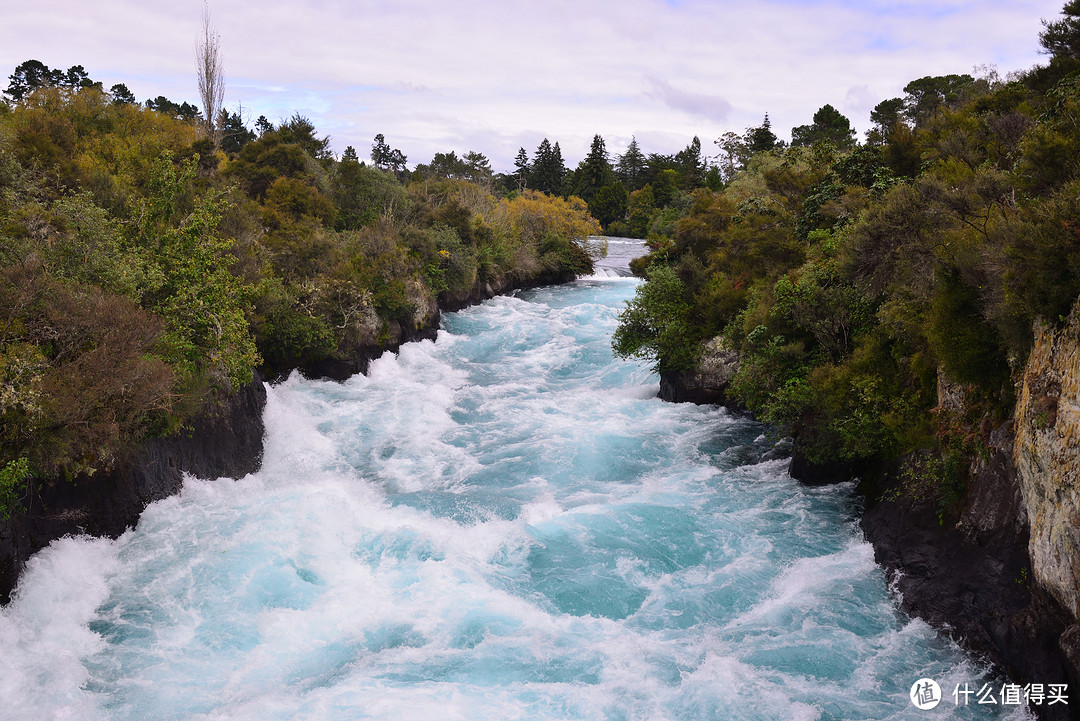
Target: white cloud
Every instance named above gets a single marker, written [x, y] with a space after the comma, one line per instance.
[493, 76]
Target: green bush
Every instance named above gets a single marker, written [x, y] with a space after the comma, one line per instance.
[14, 477]
[656, 326]
[966, 346]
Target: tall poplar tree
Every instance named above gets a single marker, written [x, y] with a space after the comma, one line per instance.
[211, 73]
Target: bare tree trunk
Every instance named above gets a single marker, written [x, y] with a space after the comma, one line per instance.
[211, 74]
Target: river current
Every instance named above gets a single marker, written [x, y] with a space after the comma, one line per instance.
[505, 523]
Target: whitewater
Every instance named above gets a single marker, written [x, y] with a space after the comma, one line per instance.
[505, 523]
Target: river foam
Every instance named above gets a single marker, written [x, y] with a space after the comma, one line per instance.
[504, 523]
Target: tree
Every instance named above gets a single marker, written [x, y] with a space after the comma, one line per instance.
[477, 168]
[1061, 38]
[594, 171]
[521, 169]
[29, 76]
[609, 203]
[631, 166]
[829, 126]
[760, 139]
[121, 95]
[211, 74]
[736, 150]
[927, 95]
[234, 134]
[733, 154]
[386, 158]
[33, 74]
[183, 111]
[263, 126]
[665, 186]
[547, 168]
[689, 164]
[350, 156]
[885, 116]
[443, 165]
[640, 209]
[77, 77]
[298, 129]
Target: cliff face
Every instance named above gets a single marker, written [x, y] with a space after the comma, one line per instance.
[970, 576]
[1004, 577]
[1047, 456]
[225, 439]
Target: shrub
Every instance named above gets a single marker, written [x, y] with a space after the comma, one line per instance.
[655, 325]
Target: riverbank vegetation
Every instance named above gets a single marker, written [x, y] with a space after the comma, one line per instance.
[148, 266]
[866, 283]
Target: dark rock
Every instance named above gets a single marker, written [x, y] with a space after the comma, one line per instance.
[341, 369]
[821, 474]
[224, 439]
[706, 384]
[971, 577]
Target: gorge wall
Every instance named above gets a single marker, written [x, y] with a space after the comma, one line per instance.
[1003, 578]
[1047, 457]
[224, 439]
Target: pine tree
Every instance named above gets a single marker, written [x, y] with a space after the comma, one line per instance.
[521, 168]
[594, 171]
[760, 139]
[548, 168]
[1061, 38]
[631, 166]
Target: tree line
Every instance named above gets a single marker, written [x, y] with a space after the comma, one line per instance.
[149, 266]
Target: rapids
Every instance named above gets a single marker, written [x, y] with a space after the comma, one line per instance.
[505, 523]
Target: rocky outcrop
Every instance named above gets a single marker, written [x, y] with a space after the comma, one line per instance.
[708, 383]
[1047, 456]
[224, 439]
[367, 336]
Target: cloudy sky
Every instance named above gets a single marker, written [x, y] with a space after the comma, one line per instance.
[496, 75]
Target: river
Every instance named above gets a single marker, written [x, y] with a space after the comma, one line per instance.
[505, 523]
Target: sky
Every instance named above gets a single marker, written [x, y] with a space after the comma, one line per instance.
[493, 76]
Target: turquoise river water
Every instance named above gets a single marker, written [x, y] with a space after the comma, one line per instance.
[505, 523]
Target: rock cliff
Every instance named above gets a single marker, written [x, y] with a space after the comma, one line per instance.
[1004, 577]
[224, 439]
[1047, 456]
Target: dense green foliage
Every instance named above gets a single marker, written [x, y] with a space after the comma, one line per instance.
[856, 280]
[144, 272]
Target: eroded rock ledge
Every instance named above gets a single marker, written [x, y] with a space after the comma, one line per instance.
[709, 382]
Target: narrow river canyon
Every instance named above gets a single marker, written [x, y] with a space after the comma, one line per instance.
[505, 523]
